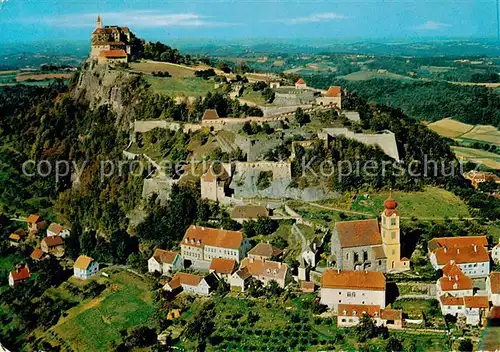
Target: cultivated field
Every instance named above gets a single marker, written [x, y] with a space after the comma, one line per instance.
[174, 69]
[181, 86]
[95, 323]
[450, 128]
[366, 75]
[483, 133]
[488, 159]
[42, 76]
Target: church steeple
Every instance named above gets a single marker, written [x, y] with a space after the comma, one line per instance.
[99, 22]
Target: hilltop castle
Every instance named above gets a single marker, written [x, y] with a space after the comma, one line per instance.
[111, 43]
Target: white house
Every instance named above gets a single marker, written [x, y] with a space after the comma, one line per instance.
[165, 262]
[204, 243]
[20, 274]
[263, 270]
[190, 283]
[310, 252]
[493, 286]
[495, 253]
[471, 307]
[468, 253]
[454, 282]
[56, 229]
[85, 267]
[352, 287]
[350, 314]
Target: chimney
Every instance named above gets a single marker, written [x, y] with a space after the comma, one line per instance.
[458, 250]
[251, 260]
[445, 249]
[279, 265]
[338, 270]
[475, 248]
[456, 277]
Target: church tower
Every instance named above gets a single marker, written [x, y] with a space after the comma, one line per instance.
[99, 22]
[389, 231]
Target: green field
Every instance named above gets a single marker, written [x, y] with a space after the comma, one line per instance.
[488, 159]
[181, 86]
[94, 324]
[423, 205]
[366, 75]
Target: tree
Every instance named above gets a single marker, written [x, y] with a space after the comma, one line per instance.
[301, 118]
[366, 329]
[393, 345]
[465, 345]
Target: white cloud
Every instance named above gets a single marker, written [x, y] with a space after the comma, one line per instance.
[431, 26]
[320, 17]
[137, 19]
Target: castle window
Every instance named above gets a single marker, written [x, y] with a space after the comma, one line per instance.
[393, 251]
[393, 235]
[393, 222]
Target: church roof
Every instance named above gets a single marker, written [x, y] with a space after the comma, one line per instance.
[358, 233]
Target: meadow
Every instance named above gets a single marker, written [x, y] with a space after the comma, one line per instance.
[450, 128]
[95, 323]
[488, 159]
[181, 86]
[367, 75]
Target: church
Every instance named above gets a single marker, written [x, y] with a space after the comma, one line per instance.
[370, 245]
[111, 43]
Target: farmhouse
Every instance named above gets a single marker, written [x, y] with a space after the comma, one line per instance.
[243, 213]
[493, 286]
[38, 254]
[470, 307]
[263, 270]
[352, 287]
[35, 223]
[165, 262]
[56, 229]
[366, 245]
[264, 251]
[204, 243]
[223, 268]
[477, 177]
[350, 315]
[468, 253]
[190, 283]
[53, 245]
[85, 267]
[20, 274]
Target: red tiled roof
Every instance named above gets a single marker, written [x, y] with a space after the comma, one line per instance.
[265, 250]
[212, 237]
[495, 282]
[55, 228]
[14, 237]
[353, 280]
[163, 256]
[185, 279]
[223, 265]
[83, 262]
[476, 302]
[307, 286]
[451, 242]
[358, 310]
[454, 279]
[53, 241]
[448, 300]
[300, 81]
[33, 219]
[37, 254]
[392, 314]
[210, 114]
[358, 233]
[266, 268]
[20, 274]
[334, 92]
[113, 53]
[461, 255]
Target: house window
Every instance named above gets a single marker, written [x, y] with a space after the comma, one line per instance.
[343, 320]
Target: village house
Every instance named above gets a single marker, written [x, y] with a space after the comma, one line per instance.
[223, 268]
[53, 245]
[350, 315]
[264, 251]
[495, 253]
[204, 243]
[310, 252]
[493, 287]
[469, 253]
[263, 270]
[300, 84]
[243, 213]
[15, 240]
[190, 283]
[56, 229]
[85, 267]
[478, 177]
[165, 262]
[307, 286]
[35, 223]
[38, 255]
[352, 287]
[368, 245]
[473, 308]
[20, 274]
[454, 282]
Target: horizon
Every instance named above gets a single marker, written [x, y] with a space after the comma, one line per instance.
[253, 20]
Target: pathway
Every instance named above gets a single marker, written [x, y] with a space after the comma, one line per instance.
[340, 210]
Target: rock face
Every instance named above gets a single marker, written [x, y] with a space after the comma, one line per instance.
[103, 85]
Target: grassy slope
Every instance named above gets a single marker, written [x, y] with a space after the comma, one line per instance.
[181, 86]
[94, 324]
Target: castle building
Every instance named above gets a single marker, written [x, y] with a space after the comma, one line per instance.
[111, 43]
[370, 245]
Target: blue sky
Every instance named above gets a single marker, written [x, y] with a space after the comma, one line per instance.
[29, 20]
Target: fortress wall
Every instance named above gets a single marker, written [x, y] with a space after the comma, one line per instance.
[280, 170]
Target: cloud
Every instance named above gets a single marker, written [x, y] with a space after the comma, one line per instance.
[137, 19]
[431, 26]
[320, 17]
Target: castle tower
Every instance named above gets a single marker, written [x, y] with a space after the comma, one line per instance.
[99, 22]
[390, 233]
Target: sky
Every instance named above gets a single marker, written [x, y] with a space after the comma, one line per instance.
[36, 20]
